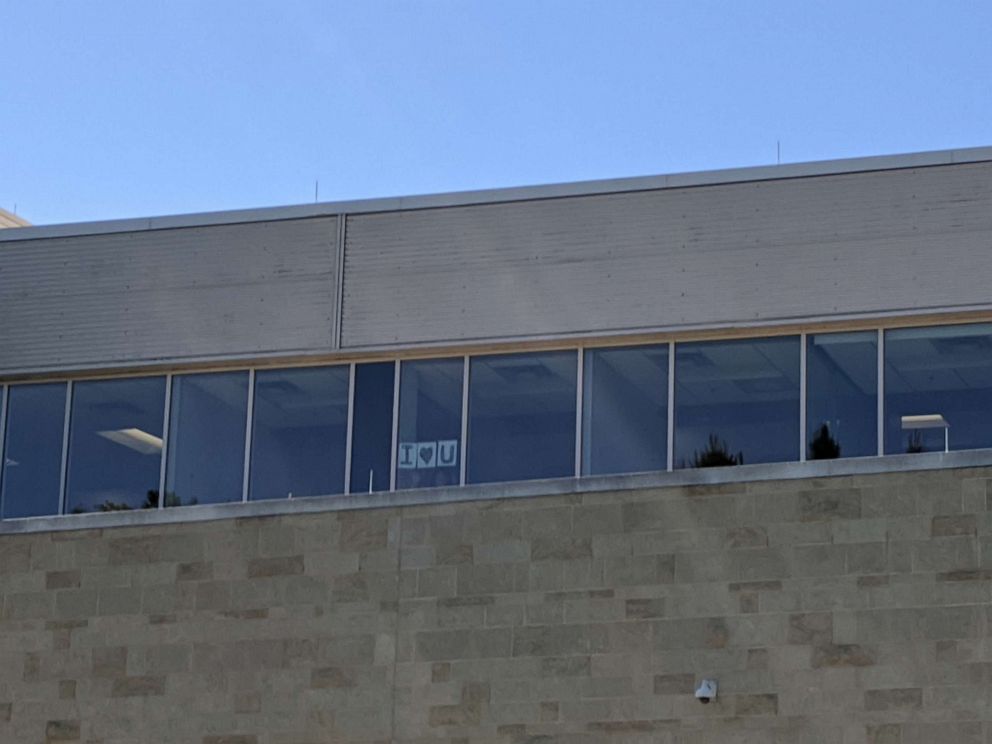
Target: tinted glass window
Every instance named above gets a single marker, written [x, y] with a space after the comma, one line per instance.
[299, 428]
[521, 416]
[430, 427]
[206, 438]
[32, 458]
[937, 381]
[115, 444]
[736, 402]
[842, 395]
[372, 427]
[625, 410]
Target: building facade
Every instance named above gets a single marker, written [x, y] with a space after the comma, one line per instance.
[516, 466]
[9, 219]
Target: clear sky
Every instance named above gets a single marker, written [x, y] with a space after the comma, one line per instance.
[145, 107]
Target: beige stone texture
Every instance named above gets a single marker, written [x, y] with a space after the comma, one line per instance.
[854, 610]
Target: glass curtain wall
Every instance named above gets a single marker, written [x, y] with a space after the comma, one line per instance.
[207, 419]
[299, 432]
[428, 450]
[841, 395]
[938, 388]
[625, 410]
[372, 427]
[115, 444]
[736, 402]
[522, 416]
[32, 458]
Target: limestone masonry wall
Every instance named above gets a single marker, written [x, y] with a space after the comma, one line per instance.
[851, 609]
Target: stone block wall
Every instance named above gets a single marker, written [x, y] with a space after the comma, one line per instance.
[854, 610]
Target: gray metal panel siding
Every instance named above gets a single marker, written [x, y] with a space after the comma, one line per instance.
[709, 255]
[167, 295]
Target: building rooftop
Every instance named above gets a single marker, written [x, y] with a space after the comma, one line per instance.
[514, 194]
[9, 219]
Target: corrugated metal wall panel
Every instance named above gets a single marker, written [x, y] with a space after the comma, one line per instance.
[799, 248]
[167, 295]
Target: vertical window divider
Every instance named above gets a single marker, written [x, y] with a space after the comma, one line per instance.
[63, 473]
[670, 455]
[165, 441]
[802, 397]
[463, 462]
[881, 392]
[351, 426]
[579, 398]
[249, 415]
[396, 426]
[341, 237]
[4, 393]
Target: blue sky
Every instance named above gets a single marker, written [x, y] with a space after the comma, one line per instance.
[120, 109]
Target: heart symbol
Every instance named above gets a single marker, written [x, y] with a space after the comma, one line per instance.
[426, 454]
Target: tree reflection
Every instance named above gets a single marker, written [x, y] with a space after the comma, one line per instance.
[716, 454]
[823, 446]
[150, 502]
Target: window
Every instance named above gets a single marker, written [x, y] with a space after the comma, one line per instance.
[625, 410]
[299, 431]
[372, 427]
[841, 395]
[428, 451]
[736, 402]
[115, 444]
[938, 388]
[206, 438]
[522, 416]
[32, 456]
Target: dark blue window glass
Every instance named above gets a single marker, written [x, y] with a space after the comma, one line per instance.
[32, 457]
[372, 427]
[938, 388]
[115, 444]
[736, 402]
[625, 410]
[522, 416]
[428, 451]
[207, 420]
[299, 430]
[842, 395]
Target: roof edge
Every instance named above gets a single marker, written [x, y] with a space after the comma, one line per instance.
[9, 220]
[510, 194]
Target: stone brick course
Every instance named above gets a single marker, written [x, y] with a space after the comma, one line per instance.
[854, 609]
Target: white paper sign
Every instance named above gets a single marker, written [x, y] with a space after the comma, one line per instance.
[406, 459]
[424, 455]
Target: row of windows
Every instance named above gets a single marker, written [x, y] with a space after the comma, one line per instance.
[115, 444]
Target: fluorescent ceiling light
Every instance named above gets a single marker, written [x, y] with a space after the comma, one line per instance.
[136, 439]
[925, 421]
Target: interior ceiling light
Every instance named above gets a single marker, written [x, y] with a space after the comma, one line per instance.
[136, 439]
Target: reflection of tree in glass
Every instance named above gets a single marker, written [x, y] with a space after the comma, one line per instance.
[150, 502]
[915, 443]
[823, 446]
[716, 454]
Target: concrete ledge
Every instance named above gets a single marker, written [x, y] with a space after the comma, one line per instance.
[498, 491]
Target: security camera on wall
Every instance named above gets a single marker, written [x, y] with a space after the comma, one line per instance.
[706, 691]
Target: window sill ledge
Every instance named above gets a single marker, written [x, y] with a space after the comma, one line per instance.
[514, 490]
